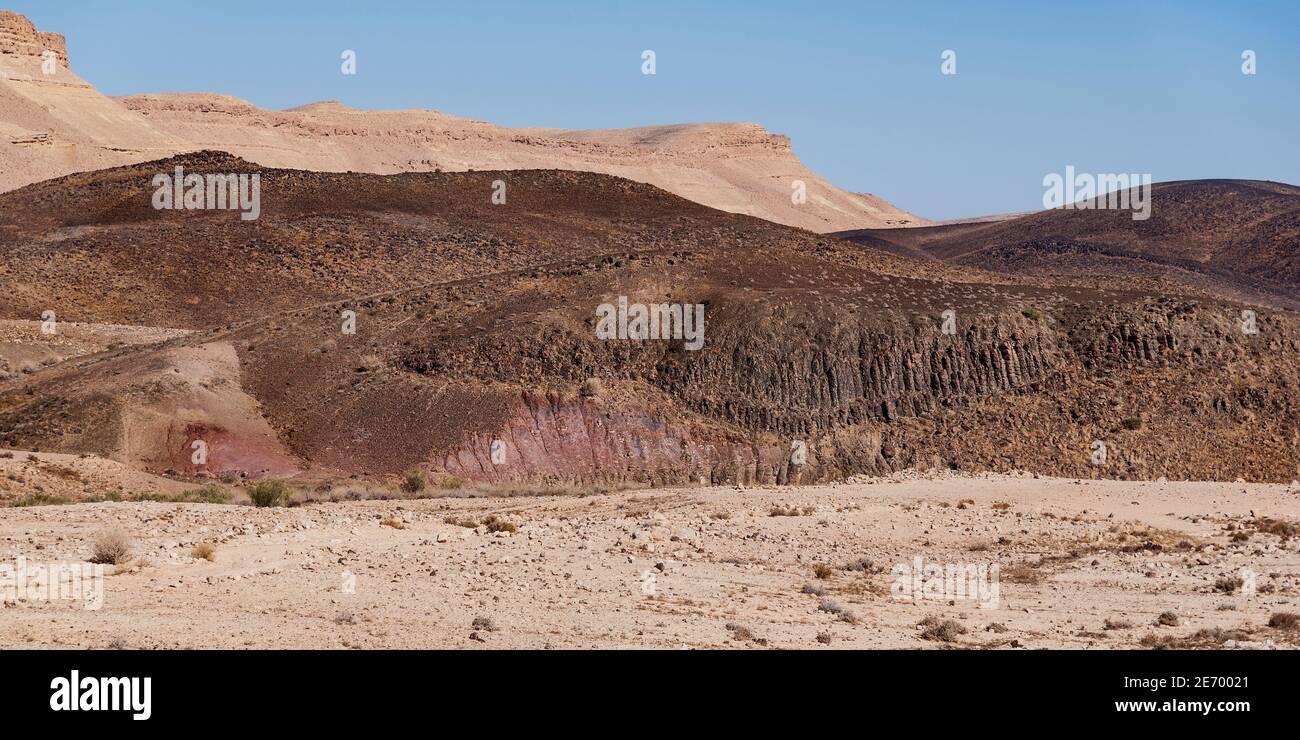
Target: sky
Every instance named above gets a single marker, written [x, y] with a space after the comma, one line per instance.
[1152, 87]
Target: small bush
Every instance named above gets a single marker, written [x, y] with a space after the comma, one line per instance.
[40, 499]
[1117, 624]
[393, 522]
[414, 480]
[830, 606]
[937, 630]
[209, 494]
[451, 484]
[1284, 621]
[863, 565]
[484, 623]
[740, 632]
[1168, 619]
[592, 388]
[1032, 313]
[269, 493]
[791, 511]
[113, 548]
[813, 589]
[1132, 423]
[497, 524]
[823, 571]
[204, 551]
[1228, 584]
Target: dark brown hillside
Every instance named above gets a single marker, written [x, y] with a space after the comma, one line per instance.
[476, 323]
[1235, 238]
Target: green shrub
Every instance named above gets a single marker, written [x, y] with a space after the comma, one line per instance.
[269, 493]
[414, 480]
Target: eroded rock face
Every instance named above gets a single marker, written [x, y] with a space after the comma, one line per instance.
[19, 37]
[475, 324]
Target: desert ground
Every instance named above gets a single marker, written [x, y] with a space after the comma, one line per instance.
[1083, 564]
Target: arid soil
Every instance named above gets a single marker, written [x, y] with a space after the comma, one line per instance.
[1082, 564]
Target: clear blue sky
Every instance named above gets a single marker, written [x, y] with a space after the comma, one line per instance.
[1150, 86]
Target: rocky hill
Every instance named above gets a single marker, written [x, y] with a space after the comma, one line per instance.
[476, 324]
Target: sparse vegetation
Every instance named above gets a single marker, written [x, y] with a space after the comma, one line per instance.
[112, 548]
[863, 565]
[1168, 619]
[1206, 638]
[1031, 313]
[1132, 423]
[813, 589]
[495, 523]
[830, 605]
[204, 551]
[414, 480]
[40, 499]
[1117, 624]
[940, 630]
[393, 522]
[269, 493]
[779, 510]
[592, 388]
[823, 571]
[1228, 584]
[1284, 621]
[484, 623]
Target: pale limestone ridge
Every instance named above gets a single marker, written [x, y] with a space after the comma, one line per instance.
[52, 125]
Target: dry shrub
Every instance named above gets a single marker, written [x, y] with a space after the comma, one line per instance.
[414, 480]
[1206, 638]
[937, 630]
[497, 524]
[393, 522]
[779, 510]
[204, 551]
[1021, 573]
[1228, 584]
[113, 548]
[823, 571]
[1284, 621]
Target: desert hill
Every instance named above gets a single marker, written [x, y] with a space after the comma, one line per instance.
[1238, 238]
[58, 124]
[475, 324]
